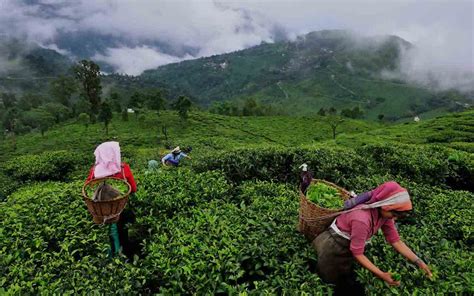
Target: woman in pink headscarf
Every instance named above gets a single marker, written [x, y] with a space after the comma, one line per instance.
[108, 163]
[345, 239]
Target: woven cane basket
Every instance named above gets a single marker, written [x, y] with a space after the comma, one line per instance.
[314, 219]
[105, 212]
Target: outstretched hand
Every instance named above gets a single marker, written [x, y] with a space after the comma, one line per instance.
[426, 269]
[387, 277]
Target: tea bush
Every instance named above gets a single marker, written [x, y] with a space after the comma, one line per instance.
[46, 166]
[432, 165]
[168, 191]
[336, 164]
[200, 234]
[7, 186]
[424, 164]
[222, 247]
[48, 245]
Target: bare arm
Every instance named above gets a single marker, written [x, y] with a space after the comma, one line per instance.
[403, 249]
[367, 264]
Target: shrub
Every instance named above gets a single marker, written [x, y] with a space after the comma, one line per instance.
[423, 164]
[43, 167]
[48, 245]
[7, 186]
[334, 164]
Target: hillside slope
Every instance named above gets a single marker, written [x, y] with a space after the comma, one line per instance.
[29, 67]
[320, 69]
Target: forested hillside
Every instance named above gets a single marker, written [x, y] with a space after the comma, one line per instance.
[322, 69]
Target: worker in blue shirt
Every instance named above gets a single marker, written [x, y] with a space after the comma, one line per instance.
[174, 157]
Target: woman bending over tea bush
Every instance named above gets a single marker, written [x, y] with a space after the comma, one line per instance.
[345, 239]
[174, 157]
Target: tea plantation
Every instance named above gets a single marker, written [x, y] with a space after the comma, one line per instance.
[225, 222]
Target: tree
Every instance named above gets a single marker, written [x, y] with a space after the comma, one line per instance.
[62, 88]
[334, 121]
[380, 117]
[115, 103]
[8, 100]
[30, 100]
[9, 119]
[322, 112]
[84, 119]
[155, 100]
[125, 114]
[354, 113]
[250, 107]
[182, 106]
[164, 131]
[105, 115]
[88, 74]
[83, 106]
[38, 118]
[136, 100]
[357, 113]
[332, 111]
[59, 111]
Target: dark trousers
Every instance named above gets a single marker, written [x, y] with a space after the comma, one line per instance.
[126, 217]
[336, 263]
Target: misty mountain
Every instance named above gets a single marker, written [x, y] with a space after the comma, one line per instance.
[323, 69]
[318, 70]
[28, 66]
[88, 44]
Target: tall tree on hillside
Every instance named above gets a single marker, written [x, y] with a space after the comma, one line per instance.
[62, 89]
[182, 105]
[59, 111]
[155, 100]
[334, 121]
[88, 74]
[38, 118]
[250, 107]
[105, 116]
[136, 101]
[115, 103]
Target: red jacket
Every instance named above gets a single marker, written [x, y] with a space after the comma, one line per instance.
[125, 174]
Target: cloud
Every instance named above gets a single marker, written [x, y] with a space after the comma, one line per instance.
[135, 60]
[442, 31]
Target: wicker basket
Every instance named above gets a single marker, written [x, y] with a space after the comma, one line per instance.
[105, 212]
[314, 219]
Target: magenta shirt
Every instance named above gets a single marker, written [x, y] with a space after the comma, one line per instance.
[362, 225]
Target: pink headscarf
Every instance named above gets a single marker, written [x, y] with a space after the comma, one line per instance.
[107, 159]
[387, 190]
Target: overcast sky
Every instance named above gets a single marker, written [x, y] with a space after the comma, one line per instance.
[441, 30]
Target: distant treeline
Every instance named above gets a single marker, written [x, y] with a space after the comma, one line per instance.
[80, 96]
[249, 107]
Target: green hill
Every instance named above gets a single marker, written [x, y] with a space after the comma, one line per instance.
[26, 66]
[319, 70]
